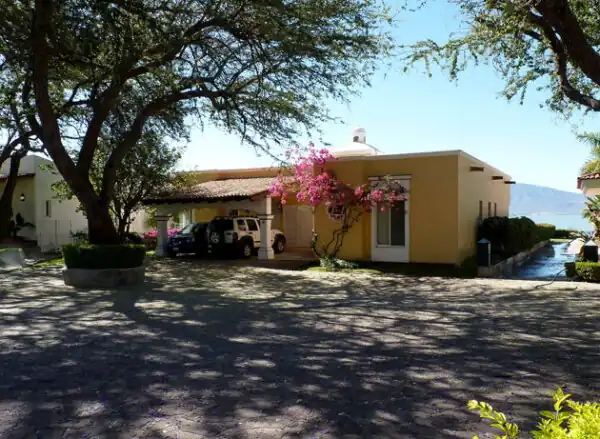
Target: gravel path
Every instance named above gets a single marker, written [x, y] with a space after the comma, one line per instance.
[201, 351]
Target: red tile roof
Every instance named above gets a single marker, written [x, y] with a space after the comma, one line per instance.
[217, 190]
[592, 176]
[27, 174]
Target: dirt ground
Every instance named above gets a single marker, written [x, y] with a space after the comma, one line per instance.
[206, 351]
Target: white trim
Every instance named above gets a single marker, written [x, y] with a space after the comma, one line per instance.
[392, 253]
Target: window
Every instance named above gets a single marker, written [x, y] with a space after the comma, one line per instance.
[489, 209]
[252, 226]
[495, 209]
[480, 209]
[391, 225]
[48, 208]
[336, 212]
[241, 225]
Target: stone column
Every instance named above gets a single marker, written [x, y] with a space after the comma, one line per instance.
[163, 234]
[266, 251]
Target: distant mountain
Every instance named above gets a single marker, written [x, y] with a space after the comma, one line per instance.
[527, 199]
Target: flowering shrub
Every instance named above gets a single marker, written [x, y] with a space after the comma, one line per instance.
[153, 234]
[314, 184]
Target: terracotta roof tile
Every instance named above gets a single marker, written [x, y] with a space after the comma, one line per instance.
[592, 176]
[217, 190]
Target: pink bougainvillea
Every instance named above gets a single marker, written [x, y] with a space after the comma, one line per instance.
[153, 234]
[314, 184]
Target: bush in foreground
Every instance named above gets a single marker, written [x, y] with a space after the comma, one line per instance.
[587, 271]
[104, 256]
[579, 421]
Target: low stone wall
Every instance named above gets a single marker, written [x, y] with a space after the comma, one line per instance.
[507, 266]
[105, 278]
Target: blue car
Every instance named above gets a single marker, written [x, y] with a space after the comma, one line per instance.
[190, 239]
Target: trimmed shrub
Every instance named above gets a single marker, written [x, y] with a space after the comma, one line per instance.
[568, 420]
[133, 238]
[509, 236]
[588, 271]
[104, 256]
[570, 269]
[546, 231]
[564, 233]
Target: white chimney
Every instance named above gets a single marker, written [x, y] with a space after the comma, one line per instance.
[359, 135]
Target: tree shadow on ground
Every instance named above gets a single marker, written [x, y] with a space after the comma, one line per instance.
[202, 350]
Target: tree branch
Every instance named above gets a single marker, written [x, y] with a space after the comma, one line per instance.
[561, 58]
[558, 14]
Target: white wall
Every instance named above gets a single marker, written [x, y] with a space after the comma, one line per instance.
[139, 224]
[54, 230]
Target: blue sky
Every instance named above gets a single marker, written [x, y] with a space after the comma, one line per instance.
[412, 112]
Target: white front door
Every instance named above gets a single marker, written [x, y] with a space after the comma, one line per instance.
[298, 226]
[390, 227]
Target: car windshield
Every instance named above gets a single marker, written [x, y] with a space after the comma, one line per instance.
[221, 225]
[187, 229]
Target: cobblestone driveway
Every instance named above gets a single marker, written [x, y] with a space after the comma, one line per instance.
[210, 352]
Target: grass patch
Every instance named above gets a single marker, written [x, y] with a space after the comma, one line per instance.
[561, 240]
[54, 262]
[345, 270]
[150, 253]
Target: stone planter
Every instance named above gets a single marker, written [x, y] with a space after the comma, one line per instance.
[103, 278]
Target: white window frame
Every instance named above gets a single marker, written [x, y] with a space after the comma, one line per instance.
[392, 253]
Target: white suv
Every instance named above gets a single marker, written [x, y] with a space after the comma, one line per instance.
[239, 234]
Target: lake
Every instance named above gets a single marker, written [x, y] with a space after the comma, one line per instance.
[561, 221]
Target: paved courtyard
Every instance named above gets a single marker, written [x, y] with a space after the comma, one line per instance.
[204, 351]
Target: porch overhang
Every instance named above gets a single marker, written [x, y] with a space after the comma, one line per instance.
[216, 191]
[589, 184]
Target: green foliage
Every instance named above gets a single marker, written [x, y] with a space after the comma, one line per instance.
[545, 232]
[579, 421]
[103, 256]
[592, 164]
[119, 69]
[570, 269]
[587, 271]
[336, 263]
[509, 236]
[529, 44]
[564, 233]
[145, 170]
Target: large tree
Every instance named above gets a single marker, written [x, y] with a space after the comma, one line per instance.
[550, 44]
[260, 68]
[146, 169]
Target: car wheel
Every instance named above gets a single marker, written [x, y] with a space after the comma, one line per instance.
[246, 249]
[171, 253]
[279, 244]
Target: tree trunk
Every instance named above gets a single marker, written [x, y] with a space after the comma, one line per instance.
[122, 227]
[101, 228]
[6, 200]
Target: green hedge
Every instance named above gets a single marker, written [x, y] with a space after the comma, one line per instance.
[545, 232]
[588, 271]
[564, 233]
[509, 236]
[103, 256]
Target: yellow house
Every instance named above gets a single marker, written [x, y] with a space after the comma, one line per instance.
[448, 193]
